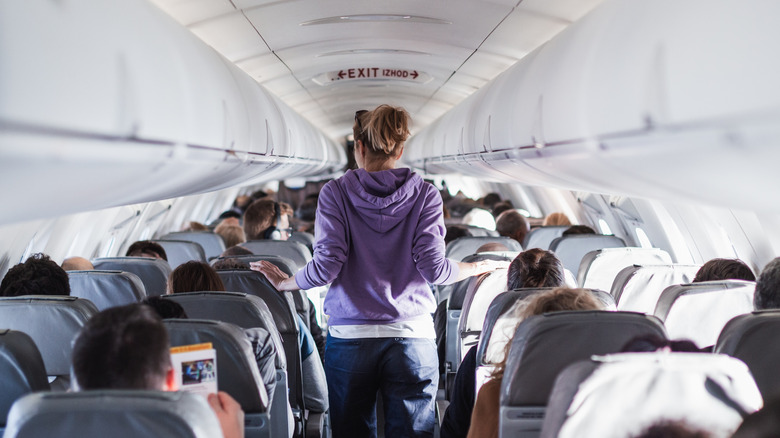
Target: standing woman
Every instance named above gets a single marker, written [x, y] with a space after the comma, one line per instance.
[379, 242]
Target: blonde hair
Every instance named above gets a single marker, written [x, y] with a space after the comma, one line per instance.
[556, 218]
[386, 128]
[231, 234]
[557, 300]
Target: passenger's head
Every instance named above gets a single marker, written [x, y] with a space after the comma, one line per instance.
[77, 264]
[230, 264]
[512, 224]
[455, 232]
[479, 217]
[491, 199]
[672, 429]
[235, 251]
[724, 269]
[767, 294]
[231, 234]
[145, 248]
[492, 247]
[195, 226]
[535, 268]
[165, 309]
[578, 229]
[194, 276]
[38, 275]
[380, 134]
[650, 343]
[267, 219]
[308, 209]
[556, 218]
[123, 347]
[500, 208]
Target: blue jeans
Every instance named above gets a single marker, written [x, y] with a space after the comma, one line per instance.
[405, 370]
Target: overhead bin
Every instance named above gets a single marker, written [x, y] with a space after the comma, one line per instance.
[653, 99]
[118, 102]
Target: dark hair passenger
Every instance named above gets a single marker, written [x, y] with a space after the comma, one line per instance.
[535, 268]
[767, 294]
[724, 269]
[38, 275]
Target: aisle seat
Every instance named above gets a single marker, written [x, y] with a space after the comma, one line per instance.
[21, 370]
[212, 243]
[307, 239]
[106, 288]
[637, 288]
[571, 249]
[114, 413]
[152, 272]
[542, 237]
[464, 246]
[295, 251]
[599, 268]
[53, 322]
[181, 251]
[699, 311]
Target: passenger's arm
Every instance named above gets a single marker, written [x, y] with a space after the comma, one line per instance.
[229, 414]
[275, 276]
[428, 243]
[478, 268]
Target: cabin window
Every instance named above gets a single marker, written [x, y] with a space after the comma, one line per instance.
[644, 241]
[604, 227]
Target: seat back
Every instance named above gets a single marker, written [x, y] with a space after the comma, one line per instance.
[307, 239]
[599, 268]
[282, 308]
[21, 370]
[53, 322]
[464, 246]
[106, 288]
[571, 249]
[754, 338]
[115, 413]
[477, 231]
[699, 311]
[481, 292]
[542, 237]
[286, 265]
[622, 394]
[182, 251]
[533, 364]
[245, 311]
[152, 272]
[212, 243]
[237, 372]
[637, 288]
[295, 251]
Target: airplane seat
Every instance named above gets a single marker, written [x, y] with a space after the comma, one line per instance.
[237, 370]
[53, 322]
[182, 251]
[532, 364]
[599, 268]
[295, 251]
[21, 370]
[212, 243]
[754, 338]
[284, 263]
[464, 246]
[477, 231]
[542, 237]
[307, 239]
[699, 311]
[152, 272]
[115, 413]
[637, 288]
[500, 324]
[282, 309]
[622, 394]
[245, 311]
[481, 292]
[106, 288]
[572, 249]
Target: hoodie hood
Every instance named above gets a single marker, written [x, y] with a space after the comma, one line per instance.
[381, 197]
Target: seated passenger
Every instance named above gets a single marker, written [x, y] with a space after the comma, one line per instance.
[556, 218]
[267, 219]
[77, 264]
[194, 226]
[196, 276]
[231, 234]
[500, 208]
[139, 358]
[533, 268]
[556, 300]
[578, 229]
[767, 294]
[166, 309]
[512, 224]
[650, 343]
[145, 248]
[724, 269]
[492, 247]
[38, 275]
[454, 232]
[235, 251]
[672, 429]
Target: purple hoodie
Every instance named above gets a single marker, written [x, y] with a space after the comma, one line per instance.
[379, 241]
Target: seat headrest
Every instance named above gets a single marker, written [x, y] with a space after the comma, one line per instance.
[212, 243]
[21, 368]
[181, 251]
[52, 322]
[295, 251]
[152, 272]
[465, 246]
[106, 288]
[115, 413]
[279, 303]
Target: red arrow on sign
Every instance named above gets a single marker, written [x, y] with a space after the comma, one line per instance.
[341, 74]
[414, 74]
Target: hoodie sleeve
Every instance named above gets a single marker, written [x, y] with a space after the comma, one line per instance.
[428, 244]
[330, 245]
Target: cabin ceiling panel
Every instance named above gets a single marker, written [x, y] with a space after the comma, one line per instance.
[569, 10]
[188, 12]
[522, 32]
[232, 36]
[264, 67]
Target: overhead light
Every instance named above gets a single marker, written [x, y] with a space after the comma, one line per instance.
[373, 52]
[373, 18]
